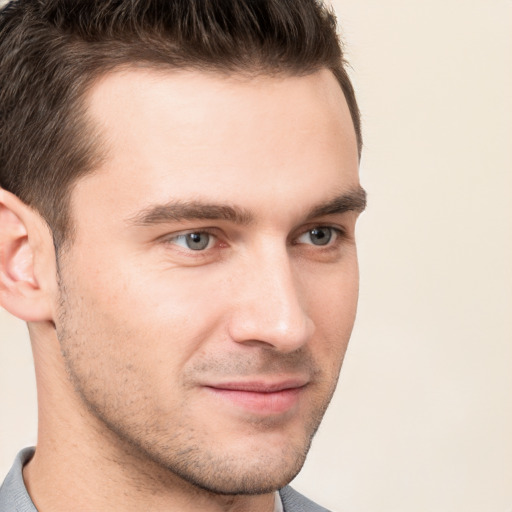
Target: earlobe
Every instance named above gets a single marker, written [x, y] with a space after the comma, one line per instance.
[20, 292]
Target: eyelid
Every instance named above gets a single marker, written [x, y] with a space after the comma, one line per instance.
[339, 231]
[170, 237]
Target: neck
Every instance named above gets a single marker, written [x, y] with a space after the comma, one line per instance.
[78, 479]
[80, 464]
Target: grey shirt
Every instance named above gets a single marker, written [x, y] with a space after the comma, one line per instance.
[14, 495]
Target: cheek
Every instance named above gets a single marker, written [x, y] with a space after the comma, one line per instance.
[332, 296]
[332, 303]
[129, 335]
[121, 358]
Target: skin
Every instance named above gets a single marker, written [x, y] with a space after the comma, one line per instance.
[179, 379]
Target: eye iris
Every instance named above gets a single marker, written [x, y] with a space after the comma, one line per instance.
[320, 236]
[197, 241]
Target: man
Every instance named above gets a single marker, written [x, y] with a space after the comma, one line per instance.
[179, 197]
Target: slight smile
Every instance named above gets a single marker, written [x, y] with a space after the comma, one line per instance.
[261, 397]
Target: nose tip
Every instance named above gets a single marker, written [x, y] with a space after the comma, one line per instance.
[285, 334]
[289, 334]
[270, 312]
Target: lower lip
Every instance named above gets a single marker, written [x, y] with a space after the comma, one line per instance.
[275, 402]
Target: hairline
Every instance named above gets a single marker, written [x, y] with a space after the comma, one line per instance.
[79, 115]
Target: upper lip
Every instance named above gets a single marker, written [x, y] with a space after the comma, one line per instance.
[261, 386]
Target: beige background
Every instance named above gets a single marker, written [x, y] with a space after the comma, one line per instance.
[422, 419]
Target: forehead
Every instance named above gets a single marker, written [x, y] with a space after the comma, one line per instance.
[173, 134]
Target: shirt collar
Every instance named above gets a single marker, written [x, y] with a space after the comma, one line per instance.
[278, 504]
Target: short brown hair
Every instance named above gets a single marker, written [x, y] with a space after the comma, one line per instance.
[51, 51]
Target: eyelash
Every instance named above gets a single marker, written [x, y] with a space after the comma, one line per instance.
[193, 232]
[338, 233]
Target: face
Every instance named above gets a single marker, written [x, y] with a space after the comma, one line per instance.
[210, 290]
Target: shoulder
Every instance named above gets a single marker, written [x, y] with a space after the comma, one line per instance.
[293, 501]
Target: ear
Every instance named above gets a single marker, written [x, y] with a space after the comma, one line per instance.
[21, 237]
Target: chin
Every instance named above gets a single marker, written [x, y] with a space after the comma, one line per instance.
[247, 467]
[242, 477]
[234, 469]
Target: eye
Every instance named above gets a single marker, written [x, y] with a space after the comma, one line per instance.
[321, 235]
[195, 241]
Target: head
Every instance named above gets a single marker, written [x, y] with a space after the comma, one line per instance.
[193, 166]
[52, 52]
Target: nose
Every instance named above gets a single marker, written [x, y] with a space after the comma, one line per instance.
[267, 306]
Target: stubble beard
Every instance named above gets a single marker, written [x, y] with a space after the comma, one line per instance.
[166, 453]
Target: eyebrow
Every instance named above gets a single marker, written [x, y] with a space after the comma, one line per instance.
[351, 201]
[176, 211]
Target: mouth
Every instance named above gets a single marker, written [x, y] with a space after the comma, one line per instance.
[260, 397]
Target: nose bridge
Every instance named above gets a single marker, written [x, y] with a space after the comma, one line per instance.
[269, 309]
